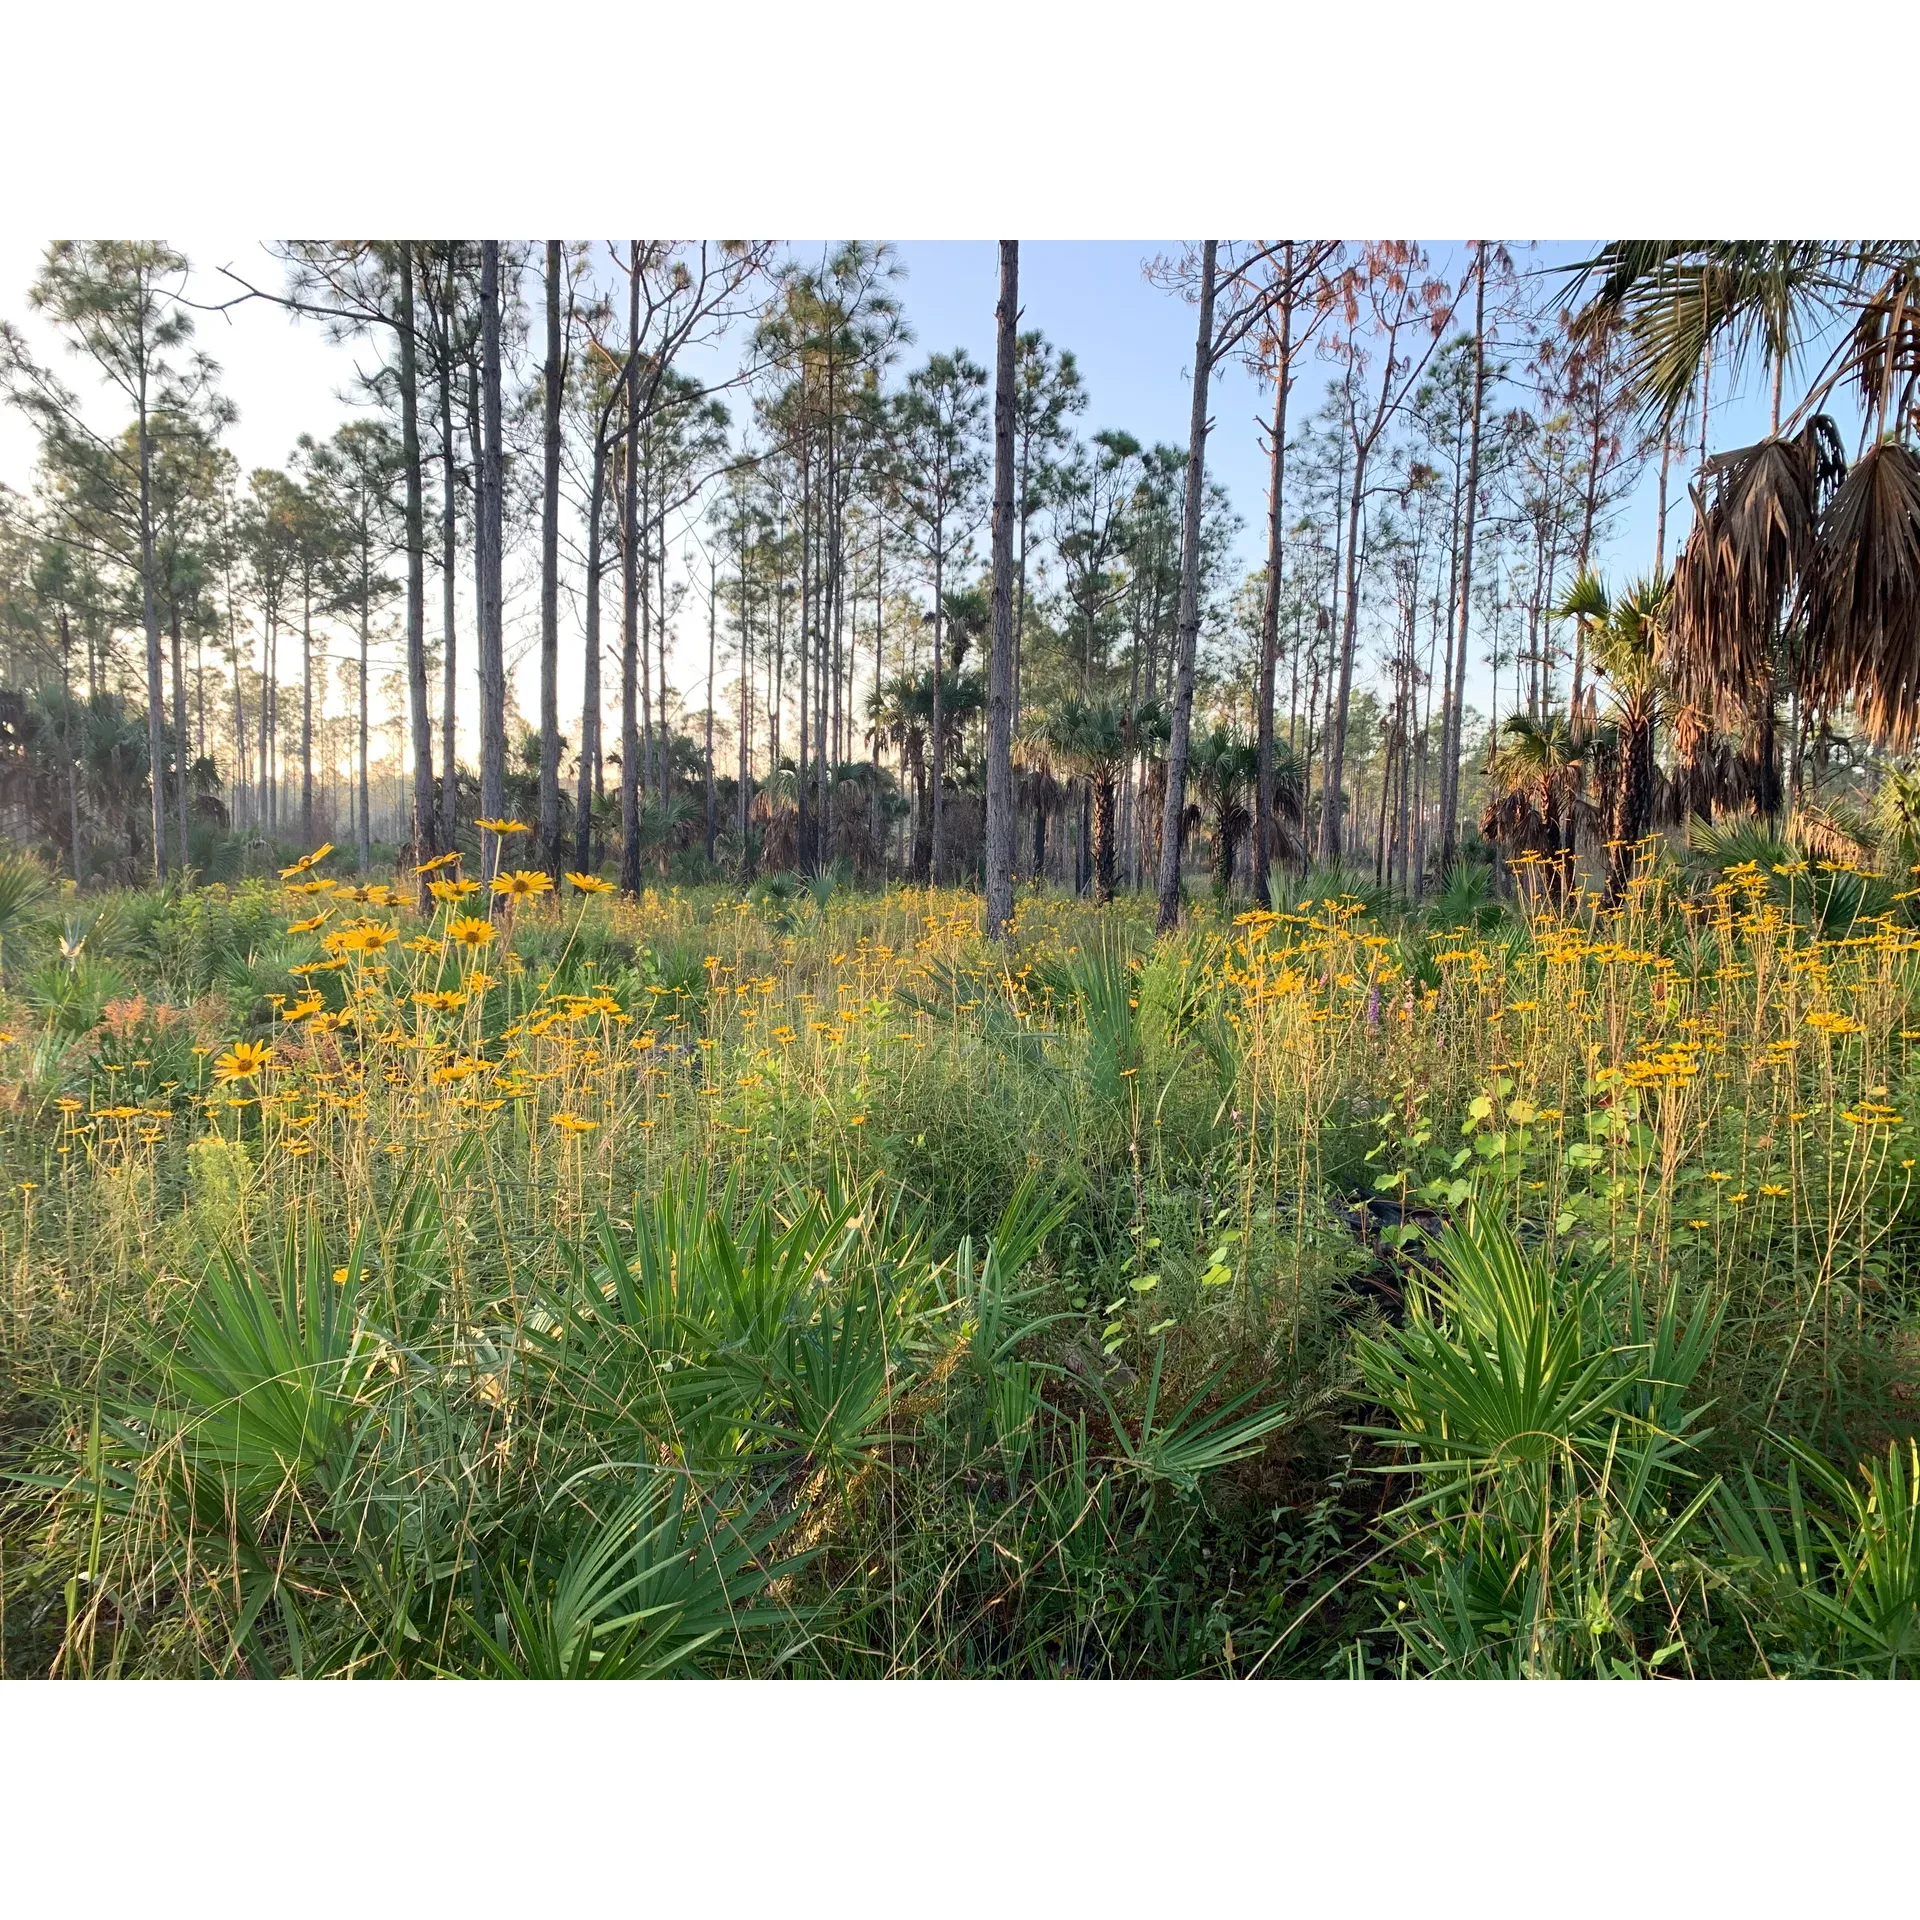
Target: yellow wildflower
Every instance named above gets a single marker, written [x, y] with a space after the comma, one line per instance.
[471, 933]
[242, 1061]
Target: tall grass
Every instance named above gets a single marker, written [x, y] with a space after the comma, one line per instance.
[798, 1284]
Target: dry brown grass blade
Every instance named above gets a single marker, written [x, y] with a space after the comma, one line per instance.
[1819, 835]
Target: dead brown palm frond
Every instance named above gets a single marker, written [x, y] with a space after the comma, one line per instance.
[1705, 783]
[1823, 835]
[1755, 532]
[1885, 345]
[1861, 598]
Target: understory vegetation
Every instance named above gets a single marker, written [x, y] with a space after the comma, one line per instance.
[796, 1283]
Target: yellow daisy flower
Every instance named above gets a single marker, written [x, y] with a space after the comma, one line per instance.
[242, 1061]
[471, 933]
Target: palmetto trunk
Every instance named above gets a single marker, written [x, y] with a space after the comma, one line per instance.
[1105, 786]
[922, 816]
[1632, 810]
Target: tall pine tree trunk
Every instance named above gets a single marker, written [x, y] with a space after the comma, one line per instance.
[547, 827]
[364, 846]
[150, 618]
[1189, 627]
[1263, 820]
[1452, 742]
[449, 588]
[713, 644]
[419, 713]
[306, 706]
[590, 696]
[181, 751]
[491, 639]
[999, 851]
[630, 564]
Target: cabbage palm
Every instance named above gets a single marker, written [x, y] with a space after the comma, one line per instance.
[1788, 545]
[1224, 769]
[1537, 776]
[1094, 736]
[1622, 638]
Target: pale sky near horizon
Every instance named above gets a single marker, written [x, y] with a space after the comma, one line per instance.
[1134, 344]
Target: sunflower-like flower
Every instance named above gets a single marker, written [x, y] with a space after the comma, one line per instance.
[521, 884]
[312, 886]
[244, 1060]
[572, 1123]
[444, 860]
[591, 883]
[307, 861]
[452, 889]
[471, 933]
[368, 937]
[504, 826]
[310, 926]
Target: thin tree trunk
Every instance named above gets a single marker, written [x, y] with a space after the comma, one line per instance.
[1450, 769]
[547, 819]
[713, 646]
[1189, 628]
[420, 714]
[803, 821]
[999, 849]
[180, 743]
[150, 618]
[590, 696]
[493, 668]
[449, 585]
[306, 705]
[937, 820]
[1263, 820]
[746, 707]
[364, 845]
[630, 563]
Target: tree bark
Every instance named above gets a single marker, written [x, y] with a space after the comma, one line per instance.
[630, 597]
[547, 825]
[422, 718]
[150, 618]
[713, 643]
[493, 670]
[1263, 820]
[364, 846]
[449, 587]
[1189, 628]
[590, 695]
[180, 745]
[306, 706]
[999, 850]
[1451, 745]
